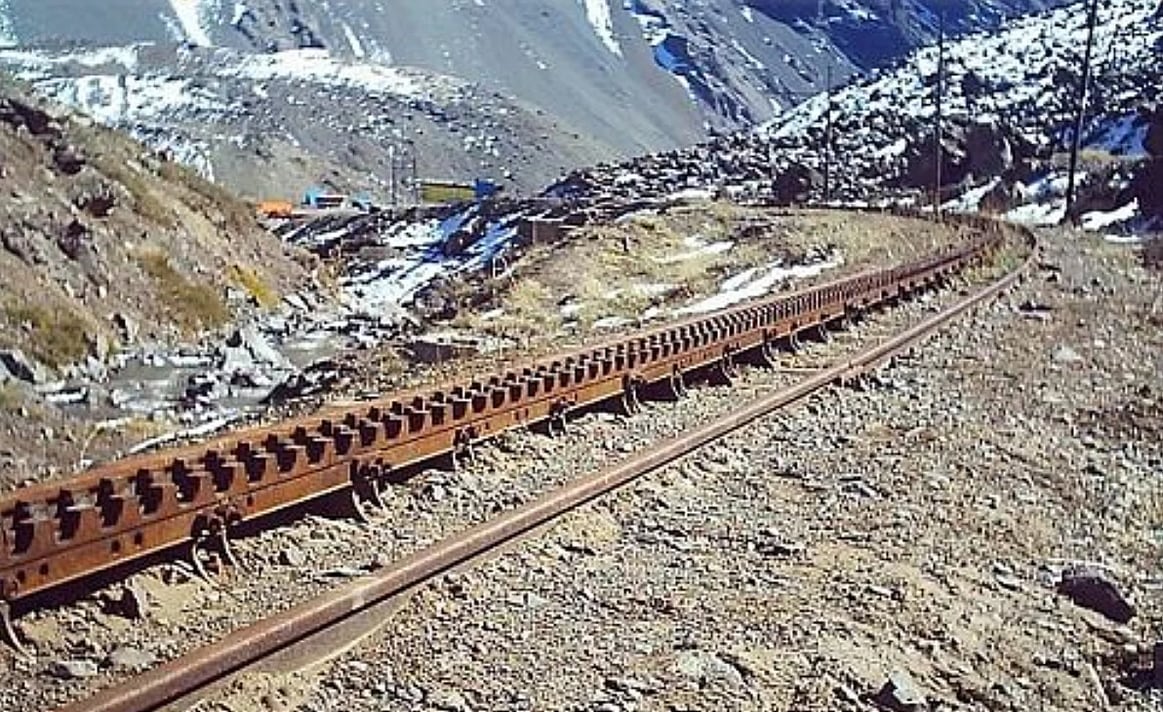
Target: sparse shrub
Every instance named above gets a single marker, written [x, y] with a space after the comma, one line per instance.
[56, 337]
[11, 397]
[145, 202]
[192, 306]
[254, 285]
[529, 300]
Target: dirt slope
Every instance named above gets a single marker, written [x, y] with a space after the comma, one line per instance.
[105, 243]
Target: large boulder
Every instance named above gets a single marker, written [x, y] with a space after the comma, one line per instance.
[920, 163]
[1091, 588]
[988, 150]
[900, 694]
[797, 184]
[36, 121]
[74, 239]
[1147, 187]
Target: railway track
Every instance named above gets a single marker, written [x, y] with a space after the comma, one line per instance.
[56, 536]
[312, 623]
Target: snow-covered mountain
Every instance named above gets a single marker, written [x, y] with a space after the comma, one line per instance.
[1007, 119]
[268, 92]
[632, 74]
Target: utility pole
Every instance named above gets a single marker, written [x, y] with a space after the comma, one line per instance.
[415, 175]
[828, 138]
[1080, 114]
[940, 89]
[392, 172]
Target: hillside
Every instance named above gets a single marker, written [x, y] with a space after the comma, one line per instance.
[105, 248]
[271, 125]
[1009, 101]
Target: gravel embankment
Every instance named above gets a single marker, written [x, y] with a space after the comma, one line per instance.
[914, 532]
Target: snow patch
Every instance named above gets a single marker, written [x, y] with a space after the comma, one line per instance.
[757, 282]
[112, 99]
[317, 65]
[191, 15]
[240, 10]
[696, 247]
[970, 200]
[1124, 239]
[1038, 214]
[353, 41]
[655, 28]
[691, 195]
[1097, 220]
[36, 64]
[598, 14]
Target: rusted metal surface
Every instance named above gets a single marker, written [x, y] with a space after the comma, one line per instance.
[183, 676]
[55, 533]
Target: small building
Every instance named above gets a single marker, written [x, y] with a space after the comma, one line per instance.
[320, 199]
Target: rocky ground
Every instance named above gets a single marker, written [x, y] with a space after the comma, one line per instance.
[93, 641]
[899, 547]
[791, 566]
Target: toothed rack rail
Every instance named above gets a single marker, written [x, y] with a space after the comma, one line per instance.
[60, 533]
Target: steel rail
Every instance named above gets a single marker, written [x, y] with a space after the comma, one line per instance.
[61, 532]
[185, 675]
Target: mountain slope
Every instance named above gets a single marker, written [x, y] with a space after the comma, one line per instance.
[634, 75]
[273, 124]
[1009, 103]
[103, 243]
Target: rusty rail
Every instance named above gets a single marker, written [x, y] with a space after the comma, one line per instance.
[57, 533]
[184, 676]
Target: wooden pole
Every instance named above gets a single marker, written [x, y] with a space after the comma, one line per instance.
[828, 139]
[1080, 113]
[937, 118]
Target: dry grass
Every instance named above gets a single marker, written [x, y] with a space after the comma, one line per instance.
[255, 286]
[146, 203]
[529, 311]
[1153, 253]
[55, 337]
[191, 306]
[11, 397]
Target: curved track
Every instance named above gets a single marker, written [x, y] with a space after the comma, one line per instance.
[57, 534]
[182, 677]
